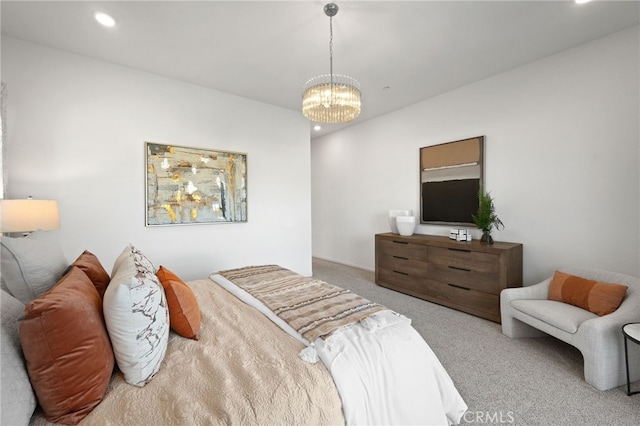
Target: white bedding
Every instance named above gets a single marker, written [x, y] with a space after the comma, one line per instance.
[384, 370]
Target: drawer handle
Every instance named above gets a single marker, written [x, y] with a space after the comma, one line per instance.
[462, 250]
[401, 273]
[457, 268]
[400, 257]
[460, 287]
[400, 242]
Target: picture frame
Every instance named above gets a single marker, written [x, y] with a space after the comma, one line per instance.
[451, 174]
[188, 185]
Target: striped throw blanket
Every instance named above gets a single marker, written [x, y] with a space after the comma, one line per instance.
[312, 307]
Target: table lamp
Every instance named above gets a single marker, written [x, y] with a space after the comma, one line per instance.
[28, 215]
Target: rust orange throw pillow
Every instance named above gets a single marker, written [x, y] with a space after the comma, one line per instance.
[91, 266]
[184, 311]
[67, 348]
[599, 298]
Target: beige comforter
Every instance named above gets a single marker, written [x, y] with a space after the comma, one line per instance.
[244, 370]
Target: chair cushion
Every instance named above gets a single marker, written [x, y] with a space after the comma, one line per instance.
[599, 298]
[557, 314]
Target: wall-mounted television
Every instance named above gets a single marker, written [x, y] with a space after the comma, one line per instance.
[451, 175]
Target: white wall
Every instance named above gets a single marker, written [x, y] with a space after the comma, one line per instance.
[561, 160]
[76, 133]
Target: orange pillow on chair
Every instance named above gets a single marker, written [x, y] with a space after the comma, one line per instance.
[599, 298]
[184, 311]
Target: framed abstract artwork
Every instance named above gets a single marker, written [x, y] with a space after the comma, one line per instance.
[186, 185]
[451, 174]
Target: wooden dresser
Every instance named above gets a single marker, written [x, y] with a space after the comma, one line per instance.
[467, 276]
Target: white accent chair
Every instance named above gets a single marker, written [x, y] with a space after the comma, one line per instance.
[526, 312]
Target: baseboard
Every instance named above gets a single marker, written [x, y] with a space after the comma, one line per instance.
[341, 262]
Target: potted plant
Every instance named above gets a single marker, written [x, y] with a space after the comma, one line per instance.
[486, 218]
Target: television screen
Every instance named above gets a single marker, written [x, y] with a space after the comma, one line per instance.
[451, 201]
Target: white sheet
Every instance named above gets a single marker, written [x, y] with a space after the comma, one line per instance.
[390, 376]
[385, 372]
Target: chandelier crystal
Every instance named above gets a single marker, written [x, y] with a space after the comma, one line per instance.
[331, 98]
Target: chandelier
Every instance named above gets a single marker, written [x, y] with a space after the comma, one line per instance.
[331, 98]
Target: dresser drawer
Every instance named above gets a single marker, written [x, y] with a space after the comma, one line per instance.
[401, 249]
[403, 282]
[465, 259]
[403, 265]
[473, 270]
[475, 302]
[467, 278]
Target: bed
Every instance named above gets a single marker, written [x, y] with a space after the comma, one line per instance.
[240, 365]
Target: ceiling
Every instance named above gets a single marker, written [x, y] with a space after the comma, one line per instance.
[402, 52]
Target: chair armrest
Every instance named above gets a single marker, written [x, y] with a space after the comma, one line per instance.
[628, 311]
[536, 291]
[510, 325]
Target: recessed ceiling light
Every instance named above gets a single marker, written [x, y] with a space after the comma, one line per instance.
[582, 1]
[105, 19]
[317, 127]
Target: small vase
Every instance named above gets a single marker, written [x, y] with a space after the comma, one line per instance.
[406, 225]
[486, 237]
[392, 218]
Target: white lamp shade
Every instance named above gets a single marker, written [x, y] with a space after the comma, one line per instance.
[28, 215]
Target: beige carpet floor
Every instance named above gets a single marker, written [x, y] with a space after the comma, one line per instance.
[503, 381]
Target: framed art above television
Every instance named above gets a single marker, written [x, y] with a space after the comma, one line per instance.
[451, 174]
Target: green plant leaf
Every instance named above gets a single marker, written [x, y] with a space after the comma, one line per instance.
[486, 217]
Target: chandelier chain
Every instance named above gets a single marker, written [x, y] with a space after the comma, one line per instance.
[331, 48]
